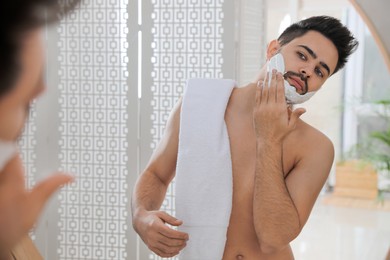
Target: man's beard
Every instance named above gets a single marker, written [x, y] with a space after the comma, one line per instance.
[289, 74]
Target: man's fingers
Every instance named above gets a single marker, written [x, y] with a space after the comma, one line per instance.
[171, 233]
[42, 192]
[265, 88]
[295, 115]
[169, 219]
[163, 252]
[166, 247]
[272, 87]
[280, 95]
[172, 242]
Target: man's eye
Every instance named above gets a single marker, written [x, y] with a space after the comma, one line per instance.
[319, 72]
[301, 55]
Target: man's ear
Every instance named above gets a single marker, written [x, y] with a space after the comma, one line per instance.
[273, 48]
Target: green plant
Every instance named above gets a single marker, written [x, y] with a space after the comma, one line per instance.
[375, 148]
[381, 155]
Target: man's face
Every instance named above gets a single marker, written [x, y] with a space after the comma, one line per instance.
[14, 105]
[310, 60]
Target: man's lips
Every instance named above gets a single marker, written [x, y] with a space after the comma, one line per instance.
[298, 84]
[297, 80]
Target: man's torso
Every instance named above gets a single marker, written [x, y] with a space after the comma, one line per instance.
[242, 241]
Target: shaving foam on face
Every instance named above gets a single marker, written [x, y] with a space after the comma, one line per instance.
[292, 97]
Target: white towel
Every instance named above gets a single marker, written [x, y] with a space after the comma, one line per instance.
[204, 182]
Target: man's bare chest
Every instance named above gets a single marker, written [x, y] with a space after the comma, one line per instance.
[244, 154]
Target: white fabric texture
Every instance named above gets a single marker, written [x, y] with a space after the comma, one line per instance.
[204, 182]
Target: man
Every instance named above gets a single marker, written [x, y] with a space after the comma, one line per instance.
[279, 162]
[21, 81]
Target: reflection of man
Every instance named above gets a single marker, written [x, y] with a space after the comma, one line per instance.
[279, 163]
[21, 81]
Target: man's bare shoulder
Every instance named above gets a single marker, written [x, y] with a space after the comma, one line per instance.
[311, 141]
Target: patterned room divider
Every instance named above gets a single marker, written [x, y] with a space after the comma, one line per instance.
[115, 68]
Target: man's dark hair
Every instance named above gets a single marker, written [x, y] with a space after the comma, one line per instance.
[17, 18]
[328, 26]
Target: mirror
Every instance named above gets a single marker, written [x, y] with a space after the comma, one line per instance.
[376, 16]
[118, 79]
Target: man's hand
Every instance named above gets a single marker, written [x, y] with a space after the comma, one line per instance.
[161, 239]
[272, 121]
[19, 207]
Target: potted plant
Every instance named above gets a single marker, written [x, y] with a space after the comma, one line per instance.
[369, 161]
[356, 178]
[380, 148]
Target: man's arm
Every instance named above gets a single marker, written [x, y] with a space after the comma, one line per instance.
[19, 207]
[149, 193]
[281, 206]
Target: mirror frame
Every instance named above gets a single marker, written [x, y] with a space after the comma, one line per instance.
[376, 22]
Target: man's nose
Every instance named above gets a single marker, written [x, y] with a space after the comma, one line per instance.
[305, 72]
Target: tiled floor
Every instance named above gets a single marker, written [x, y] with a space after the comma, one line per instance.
[340, 233]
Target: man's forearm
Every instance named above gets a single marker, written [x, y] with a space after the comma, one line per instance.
[149, 193]
[276, 219]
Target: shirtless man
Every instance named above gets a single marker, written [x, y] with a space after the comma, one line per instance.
[22, 81]
[280, 163]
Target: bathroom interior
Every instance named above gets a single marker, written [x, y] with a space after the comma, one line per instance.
[115, 69]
